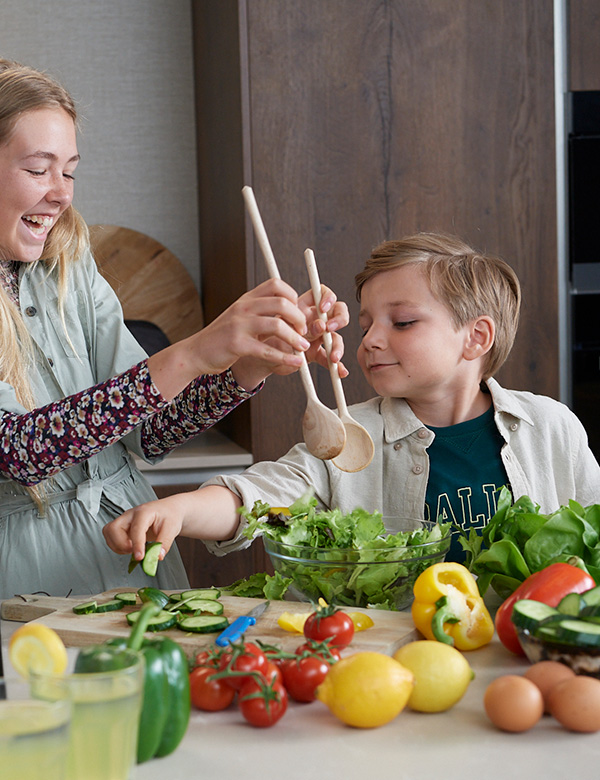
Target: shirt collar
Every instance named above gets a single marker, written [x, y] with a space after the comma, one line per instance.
[400, 421]
[507, 402]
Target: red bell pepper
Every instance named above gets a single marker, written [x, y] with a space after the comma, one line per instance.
[548, 585]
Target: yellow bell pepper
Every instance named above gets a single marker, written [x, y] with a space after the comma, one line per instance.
[448, 607]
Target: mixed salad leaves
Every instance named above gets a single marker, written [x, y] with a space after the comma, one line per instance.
[519, 540]
[383, 566]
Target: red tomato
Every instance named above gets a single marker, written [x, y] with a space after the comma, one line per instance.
[273, 672]
[262, 704]
[330, 624]
[248, 658]
[207, 694]
[302, 676]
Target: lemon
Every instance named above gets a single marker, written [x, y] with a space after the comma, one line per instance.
[442, 674]
[37, 648]
[293, 621]
[366, 690]
[360, 620]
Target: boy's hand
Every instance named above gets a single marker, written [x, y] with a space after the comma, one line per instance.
[159, 520]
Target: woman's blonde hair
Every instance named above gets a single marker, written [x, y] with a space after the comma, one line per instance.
[468, 283]
[24, 89]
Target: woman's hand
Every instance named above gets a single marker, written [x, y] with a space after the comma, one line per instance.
[249, 372]
[265, 325]
[337, 317]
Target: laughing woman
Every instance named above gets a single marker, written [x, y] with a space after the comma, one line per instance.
[78, 395]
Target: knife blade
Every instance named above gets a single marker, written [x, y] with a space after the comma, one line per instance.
[240, 625]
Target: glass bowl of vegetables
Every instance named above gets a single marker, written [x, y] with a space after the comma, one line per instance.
[356, 559]
[568, 633]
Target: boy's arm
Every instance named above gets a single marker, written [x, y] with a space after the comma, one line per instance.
[207, 513]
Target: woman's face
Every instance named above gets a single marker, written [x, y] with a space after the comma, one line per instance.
[37, 165]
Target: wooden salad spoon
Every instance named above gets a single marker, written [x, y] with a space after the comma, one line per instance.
[359, 448]
[324, 433]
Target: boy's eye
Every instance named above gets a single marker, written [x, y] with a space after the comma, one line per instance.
[404, 324]
[36, 173]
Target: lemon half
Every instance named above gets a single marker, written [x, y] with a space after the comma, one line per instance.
[37, 648]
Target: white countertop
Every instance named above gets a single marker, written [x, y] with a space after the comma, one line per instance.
[310, 744]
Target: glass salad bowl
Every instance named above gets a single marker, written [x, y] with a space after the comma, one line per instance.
[379, 575]
[582, 660]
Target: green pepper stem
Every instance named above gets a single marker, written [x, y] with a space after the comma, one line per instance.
[136, 635]
[443, 615]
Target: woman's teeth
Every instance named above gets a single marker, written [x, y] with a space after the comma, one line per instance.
[39, 224]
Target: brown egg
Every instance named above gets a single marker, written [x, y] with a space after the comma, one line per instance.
[513, 703]
[546, 674]
[575, 703]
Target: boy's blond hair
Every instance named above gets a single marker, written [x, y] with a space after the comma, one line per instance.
[468, 283]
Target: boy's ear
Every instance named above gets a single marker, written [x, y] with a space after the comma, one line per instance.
[480, 339]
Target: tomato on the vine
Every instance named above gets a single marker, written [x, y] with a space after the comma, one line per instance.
[243, 658]
[208, 657]
[209, 694]
[330, 623]
[303, 675]
[322, 649]
[262, 704]
[273, 672]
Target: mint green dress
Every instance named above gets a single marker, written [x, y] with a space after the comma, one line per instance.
[63, 551]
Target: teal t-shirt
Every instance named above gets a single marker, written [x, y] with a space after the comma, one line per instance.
[466, 471]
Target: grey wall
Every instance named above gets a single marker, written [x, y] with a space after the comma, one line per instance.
[128, 63]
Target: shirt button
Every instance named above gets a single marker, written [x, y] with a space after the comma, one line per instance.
[417, 469]
[422, 434]
[31, 311]
[397, 446]
[514, 426]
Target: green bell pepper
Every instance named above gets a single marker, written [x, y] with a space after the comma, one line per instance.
[166, 703]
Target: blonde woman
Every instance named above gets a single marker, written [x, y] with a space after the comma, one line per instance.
[78, 395]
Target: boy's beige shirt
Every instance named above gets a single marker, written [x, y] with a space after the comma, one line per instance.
[546, 456]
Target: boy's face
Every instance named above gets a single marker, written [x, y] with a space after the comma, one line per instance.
[410, 348]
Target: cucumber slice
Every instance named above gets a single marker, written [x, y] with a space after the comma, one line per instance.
[110, 606]
[591, 611]
[591, 598]
[203, 624]
[578, 632]
[212, 606]
[175, 596]
[128, 598]
[154, 595]
[201, 593]
[570, 604]
[160, 622]
[86, 608]
[529, 614]
[149, 561]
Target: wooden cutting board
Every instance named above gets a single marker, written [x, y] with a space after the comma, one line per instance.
[390, 631]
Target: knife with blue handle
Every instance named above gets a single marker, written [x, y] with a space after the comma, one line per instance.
[240, 625]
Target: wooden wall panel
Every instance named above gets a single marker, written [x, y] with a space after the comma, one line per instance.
[372, 120]
[584, 49]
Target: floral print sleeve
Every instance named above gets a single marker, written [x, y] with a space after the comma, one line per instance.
[41, 443]
[203, 403]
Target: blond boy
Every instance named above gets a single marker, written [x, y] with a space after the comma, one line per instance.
[438, 320]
